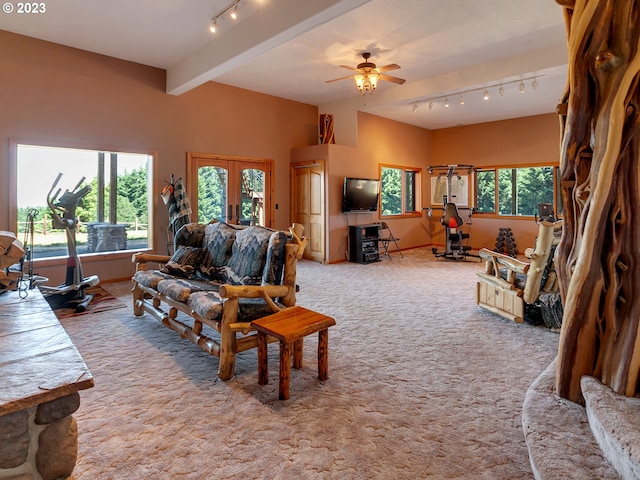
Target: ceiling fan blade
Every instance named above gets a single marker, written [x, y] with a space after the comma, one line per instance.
[389, 78]
[338, 79]
[348, 67]
[386, 68]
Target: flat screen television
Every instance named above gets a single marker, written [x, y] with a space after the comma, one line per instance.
[360, 195]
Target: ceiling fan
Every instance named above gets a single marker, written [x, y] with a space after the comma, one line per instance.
[368, 74]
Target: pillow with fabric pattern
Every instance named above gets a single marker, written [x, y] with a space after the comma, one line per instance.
[183, 261]
[217, 243]
[249, 254]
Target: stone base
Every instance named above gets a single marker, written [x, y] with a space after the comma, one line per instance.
[40, 442]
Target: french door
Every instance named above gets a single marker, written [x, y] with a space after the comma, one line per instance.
[235, 190]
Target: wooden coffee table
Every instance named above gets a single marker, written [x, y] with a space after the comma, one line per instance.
[290, 326]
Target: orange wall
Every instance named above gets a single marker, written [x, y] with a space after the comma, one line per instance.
[529, 140]
[53, 94]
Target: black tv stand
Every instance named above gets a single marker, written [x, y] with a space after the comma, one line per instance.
[363, 243]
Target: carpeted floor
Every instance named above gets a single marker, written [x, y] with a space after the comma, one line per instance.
[422, 384]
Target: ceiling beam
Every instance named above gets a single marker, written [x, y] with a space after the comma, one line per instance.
[274, 25]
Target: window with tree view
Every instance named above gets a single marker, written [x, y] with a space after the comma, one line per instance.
[399, 190]
[113, 216]
[514, 191]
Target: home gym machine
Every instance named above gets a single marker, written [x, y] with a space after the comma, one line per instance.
[63, 211]
[451, 219]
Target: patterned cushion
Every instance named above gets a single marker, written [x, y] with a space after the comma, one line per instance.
[190, 235]
[183, 262]
[249, 254]
[180, 289]
[206, 304]
[272, 273]
[150, 278]
[217, 243]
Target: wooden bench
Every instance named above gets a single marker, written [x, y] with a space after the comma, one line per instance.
[290, 326]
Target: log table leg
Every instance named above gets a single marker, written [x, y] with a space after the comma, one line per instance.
[323, 348]
[263, 359]
[297, 353]
[285, 370]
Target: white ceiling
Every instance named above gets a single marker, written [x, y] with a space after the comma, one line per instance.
[289, 48]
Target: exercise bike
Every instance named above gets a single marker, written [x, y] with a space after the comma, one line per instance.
[72, 293]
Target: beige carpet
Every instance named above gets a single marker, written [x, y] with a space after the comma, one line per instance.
[422, 384]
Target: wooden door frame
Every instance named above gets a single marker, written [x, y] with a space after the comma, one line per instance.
[325, 223]
[192, 178]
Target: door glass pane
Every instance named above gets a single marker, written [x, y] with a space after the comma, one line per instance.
[212, 194]
[252, 197]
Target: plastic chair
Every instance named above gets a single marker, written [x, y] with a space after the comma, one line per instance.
[387, 239]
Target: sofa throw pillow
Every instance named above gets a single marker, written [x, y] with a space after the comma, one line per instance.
[272, 273]
[184, 261]
[189, 235]
[217, 243]
[248, 255]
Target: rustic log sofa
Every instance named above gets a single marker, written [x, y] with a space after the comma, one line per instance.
[223, 276]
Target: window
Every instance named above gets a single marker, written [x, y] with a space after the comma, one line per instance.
[399, 190]
[515, 191]
[112, 216]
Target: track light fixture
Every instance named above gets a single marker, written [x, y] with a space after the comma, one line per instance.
[231, 9]
[485, 92]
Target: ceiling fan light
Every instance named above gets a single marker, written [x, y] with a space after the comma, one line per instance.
[359, 79]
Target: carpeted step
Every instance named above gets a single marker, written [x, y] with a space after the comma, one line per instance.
[615, 425]
[558, 436]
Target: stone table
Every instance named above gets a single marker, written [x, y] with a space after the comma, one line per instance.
[41, 373]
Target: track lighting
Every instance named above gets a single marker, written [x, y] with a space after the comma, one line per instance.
[231, 9]
[484, 89]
